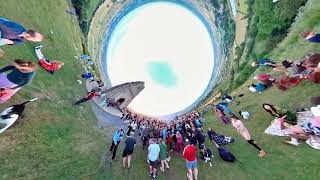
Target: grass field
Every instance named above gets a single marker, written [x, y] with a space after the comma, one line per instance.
[54, 140]
[57, 141]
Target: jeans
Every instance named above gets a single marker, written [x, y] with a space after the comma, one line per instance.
[113, 149]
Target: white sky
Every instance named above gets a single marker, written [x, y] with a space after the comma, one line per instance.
[166, 33]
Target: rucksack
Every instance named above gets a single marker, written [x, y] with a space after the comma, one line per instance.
[226, 155]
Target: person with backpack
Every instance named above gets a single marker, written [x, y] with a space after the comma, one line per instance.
[189, 154]
[243, 131]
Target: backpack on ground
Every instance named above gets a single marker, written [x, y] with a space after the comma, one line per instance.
[226, 155]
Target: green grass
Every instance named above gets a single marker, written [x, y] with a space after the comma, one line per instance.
[91, 7]
[54, 140]
[57, 141]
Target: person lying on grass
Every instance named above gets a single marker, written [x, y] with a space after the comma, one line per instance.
[219, 139]
[49, 66]
[264, 62]
[311, 36]
[21, 73]
[12, 33]
[257, 88]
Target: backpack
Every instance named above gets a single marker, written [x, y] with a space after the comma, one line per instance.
[226, 155]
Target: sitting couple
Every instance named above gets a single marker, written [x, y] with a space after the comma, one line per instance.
[219, 139]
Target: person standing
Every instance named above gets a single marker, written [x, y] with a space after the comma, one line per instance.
[163, 155]
[243, 131]
[21, 73]
[128, 150]
[12, 33]
[189, 154]
[116, 141]
[153, 155]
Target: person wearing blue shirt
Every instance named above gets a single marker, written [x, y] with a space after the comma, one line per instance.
[116, 141]
[313, 37]
[12, 33]
[257, 87]
[264, 62]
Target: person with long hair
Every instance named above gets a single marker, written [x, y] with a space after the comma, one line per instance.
[20, 74]
[243, 131]
[277, 112]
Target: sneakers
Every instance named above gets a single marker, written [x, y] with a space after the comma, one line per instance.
[313, 144]
[292, 143]
[262, 154]
[38, 47]
[188, 176]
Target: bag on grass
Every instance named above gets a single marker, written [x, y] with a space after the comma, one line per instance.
[226, 155]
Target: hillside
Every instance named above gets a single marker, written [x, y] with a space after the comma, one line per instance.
[54, 140]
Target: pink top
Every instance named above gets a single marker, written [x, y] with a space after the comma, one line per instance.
[242, 130]
[316, 121]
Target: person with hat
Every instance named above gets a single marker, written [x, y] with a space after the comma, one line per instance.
[116, 141]
[20, 74]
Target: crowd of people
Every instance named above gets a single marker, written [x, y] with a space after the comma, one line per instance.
[185, 133]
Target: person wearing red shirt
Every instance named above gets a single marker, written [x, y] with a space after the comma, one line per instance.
[189, 154]
[50, 66]
[89, 96]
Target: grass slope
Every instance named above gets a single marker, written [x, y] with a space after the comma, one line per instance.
[54, 140]
[57, 141]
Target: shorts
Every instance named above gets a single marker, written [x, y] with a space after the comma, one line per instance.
[309, 128]
[201, 146]
[154, 164]
[127, 153]
[191, 164]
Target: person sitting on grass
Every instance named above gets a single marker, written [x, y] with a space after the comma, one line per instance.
[311, 36]
[264, 62]
[206, 155]
[20, 74]
[266, 79]
[243, 131]
[219, 139]
[49, 66]
[12, 33]
[309, 131]
[280, 113]
[257, 88]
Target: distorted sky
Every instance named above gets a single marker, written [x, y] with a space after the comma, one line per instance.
[169, 48]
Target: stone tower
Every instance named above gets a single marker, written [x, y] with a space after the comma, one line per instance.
[124, 93]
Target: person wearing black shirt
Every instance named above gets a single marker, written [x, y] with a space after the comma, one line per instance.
[128, 149]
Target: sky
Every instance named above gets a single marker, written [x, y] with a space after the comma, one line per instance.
[169, 48]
